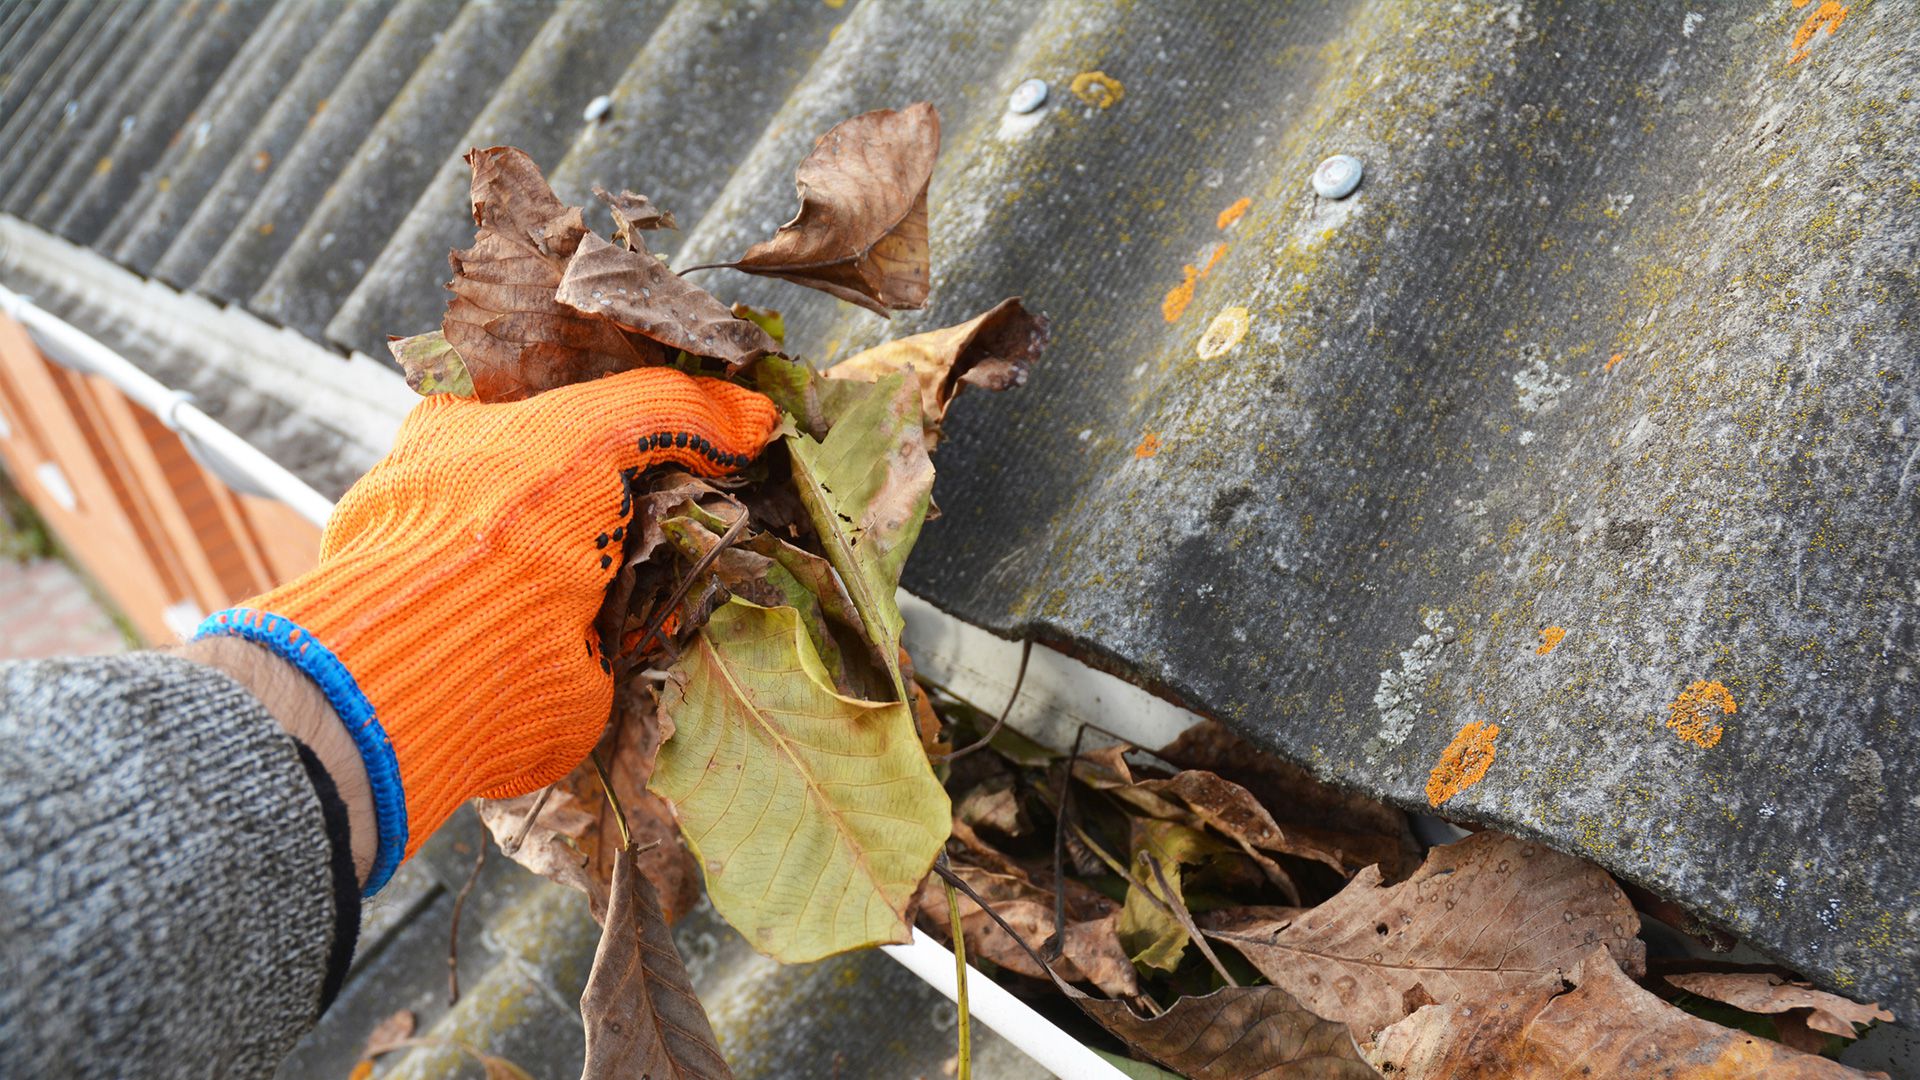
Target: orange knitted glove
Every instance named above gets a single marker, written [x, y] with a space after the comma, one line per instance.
[450, 618]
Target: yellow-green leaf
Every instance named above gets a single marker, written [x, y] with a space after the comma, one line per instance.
[431, 365]
[866, 488]
[815, 815]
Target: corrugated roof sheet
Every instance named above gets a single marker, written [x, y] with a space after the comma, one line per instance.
[1598, 391]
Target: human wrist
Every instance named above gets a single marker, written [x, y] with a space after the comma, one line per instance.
[297, 704]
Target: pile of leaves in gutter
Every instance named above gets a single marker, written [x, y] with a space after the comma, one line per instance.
[1209, 908]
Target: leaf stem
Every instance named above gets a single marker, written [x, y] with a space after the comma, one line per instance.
[680, 591]
[619, 814]
[519, 836]
[1185, 918]
[453, 932]
[959, 936]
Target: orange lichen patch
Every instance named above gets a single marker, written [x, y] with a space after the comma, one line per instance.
[1462, 764]
[1829, 15]
[1614, 359]
[1174, 304]
[261, 160]
[1098, 89]
[266, 228]
[1232, 213]
[1149, 445]
[1549, 638]
[1691, 715]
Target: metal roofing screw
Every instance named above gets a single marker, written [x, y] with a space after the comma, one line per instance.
[1336, 177]
[597, 108]
[1028, 96]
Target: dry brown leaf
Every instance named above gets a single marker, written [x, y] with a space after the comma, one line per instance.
[991, 351]
[1252, 918]
[1606, 1026]
[1480, 918]
[1762, 992]
[1362, 830]
[641, 1015]
[992, 803]
[388, 1034]
[633, 213]
[1090, 948]
[637, 292]
[575, 840]
[1232, 811]
[861, 233]
[1239, 1033]
[514, 337]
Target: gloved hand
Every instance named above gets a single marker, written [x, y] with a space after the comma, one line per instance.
[449, 622]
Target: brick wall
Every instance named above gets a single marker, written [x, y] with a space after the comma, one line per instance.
[161, 536]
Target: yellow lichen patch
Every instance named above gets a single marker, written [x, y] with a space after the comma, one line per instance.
[1232, 213]
[1829, 15]
[1691, 715]
[1549, 638]
[1149, 445]
[1463, 763]
[1614, 359]
[103, 166]
[1098, 89]
[1223, 333]
[266, 228]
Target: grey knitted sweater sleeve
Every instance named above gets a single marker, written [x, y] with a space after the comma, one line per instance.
[168, 885]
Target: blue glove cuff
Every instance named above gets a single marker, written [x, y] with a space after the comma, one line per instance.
[297, 646]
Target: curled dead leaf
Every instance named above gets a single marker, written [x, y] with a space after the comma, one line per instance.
[512, 335]
[1238, 1033]
[1604, 1026]
[641, 1015]
[992, 351]
[637, 292]
[1363, 831]
[632, 213]
[861, 232]
[1090, 948]
[1479, 918]
[575, 840]
[1763, 992]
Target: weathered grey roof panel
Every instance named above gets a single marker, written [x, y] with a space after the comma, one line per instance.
[297, 183]
[182, 251]
[31, 37]
[360, 207]
[1616, 343]
[54, 121]
[209, 138]
[155, 119]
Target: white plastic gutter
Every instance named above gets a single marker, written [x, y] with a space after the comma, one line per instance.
[964, 658]
[224, 453]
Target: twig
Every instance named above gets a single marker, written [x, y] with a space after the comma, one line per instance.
[956, 881]
[680, 591]
[1185, 918]
[619, 815]
[1026, 651]
[959, 936]
[520, 835]
[453, 935]
[1063, 806]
